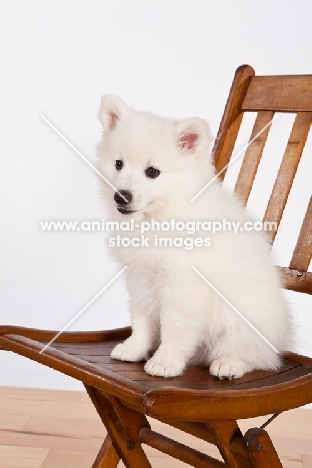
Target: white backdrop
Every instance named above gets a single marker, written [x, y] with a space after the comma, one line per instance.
[175, 58]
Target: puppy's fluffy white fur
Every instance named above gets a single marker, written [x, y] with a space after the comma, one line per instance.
[173, 311]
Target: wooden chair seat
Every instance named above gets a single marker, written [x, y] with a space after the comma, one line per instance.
[86, 356]
[197, 403]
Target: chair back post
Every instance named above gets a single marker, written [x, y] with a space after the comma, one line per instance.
[232, 118]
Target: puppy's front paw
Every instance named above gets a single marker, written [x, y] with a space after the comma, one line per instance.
[164, 367]
[124, 352]
[229, 367]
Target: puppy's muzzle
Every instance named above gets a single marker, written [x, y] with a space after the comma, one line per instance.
[124, 201]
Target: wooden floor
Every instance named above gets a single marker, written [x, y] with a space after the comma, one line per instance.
[49, 429]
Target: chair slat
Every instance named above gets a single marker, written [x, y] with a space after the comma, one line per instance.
[303, 250]
[287, 170]
[253, 155]
[279, 93]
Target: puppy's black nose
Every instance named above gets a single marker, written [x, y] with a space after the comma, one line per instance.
[120, 200]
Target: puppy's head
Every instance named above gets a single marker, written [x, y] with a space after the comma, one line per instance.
[153, 163]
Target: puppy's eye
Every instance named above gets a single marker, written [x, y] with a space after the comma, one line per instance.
[119, 165]
[152, 172]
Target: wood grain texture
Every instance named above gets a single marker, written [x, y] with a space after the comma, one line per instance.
[73, 458]
[225, 432]
[287, 170]
[299, 281]
[290, 93]
[252, 156]
[32, 457]
[231, 119]
[260, 450]
[131, 453]
[177, 450]
[197, 396]
[107, 456]
[303, 251]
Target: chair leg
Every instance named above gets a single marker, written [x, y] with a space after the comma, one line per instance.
[260, 449]
[107, 456]
[225, 432]
[130, 452]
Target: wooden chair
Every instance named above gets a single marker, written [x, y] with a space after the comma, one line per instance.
[197, 403]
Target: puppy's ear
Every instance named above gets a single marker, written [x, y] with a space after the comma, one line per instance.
[193, 136]
[112, 109]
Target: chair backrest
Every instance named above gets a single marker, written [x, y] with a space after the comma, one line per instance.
[267, 95]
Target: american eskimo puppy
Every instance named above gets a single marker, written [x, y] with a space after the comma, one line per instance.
[157, 166]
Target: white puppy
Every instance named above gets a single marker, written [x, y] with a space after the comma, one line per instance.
[158, 165]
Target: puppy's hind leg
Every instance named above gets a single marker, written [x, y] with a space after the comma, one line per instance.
[239, 350]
